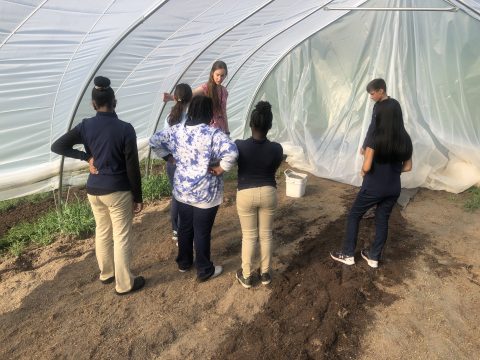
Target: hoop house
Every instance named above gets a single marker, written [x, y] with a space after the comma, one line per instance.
[310, 59]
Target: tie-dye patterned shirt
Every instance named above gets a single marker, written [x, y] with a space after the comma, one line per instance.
[195, 149]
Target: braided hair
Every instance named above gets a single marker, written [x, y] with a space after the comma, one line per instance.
[261, 118]
[102, 93]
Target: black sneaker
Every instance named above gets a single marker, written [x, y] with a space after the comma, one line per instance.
[138, 283]
[184, 270]
[218, 269]
[343, 258]
[265, 278]
[370, 262]
[108, 281]
[245, 282]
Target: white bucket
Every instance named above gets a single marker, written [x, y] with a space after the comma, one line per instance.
[296, 183]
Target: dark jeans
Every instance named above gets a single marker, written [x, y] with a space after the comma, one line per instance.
[363, 202]
[195, 228]
[174, 205]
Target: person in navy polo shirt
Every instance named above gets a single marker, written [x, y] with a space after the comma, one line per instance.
[388, 153]
[113, 186]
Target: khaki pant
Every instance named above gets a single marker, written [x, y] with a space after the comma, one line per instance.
[113, 217]
[256, 208]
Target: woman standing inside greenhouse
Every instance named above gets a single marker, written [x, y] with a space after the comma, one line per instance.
[113, 186]
[213, 89]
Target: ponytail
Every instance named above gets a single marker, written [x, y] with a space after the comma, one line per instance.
[183, 96]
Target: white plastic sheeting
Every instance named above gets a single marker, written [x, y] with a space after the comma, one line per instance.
[51, 50]
[431, 62]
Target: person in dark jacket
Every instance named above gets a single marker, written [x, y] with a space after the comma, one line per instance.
[388, 153]
[377, 89]
[113, 186]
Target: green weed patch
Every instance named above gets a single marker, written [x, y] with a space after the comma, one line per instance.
[473, 203]
[154, 187]
[76, 220]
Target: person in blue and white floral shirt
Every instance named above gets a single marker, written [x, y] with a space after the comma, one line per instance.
[202, 153]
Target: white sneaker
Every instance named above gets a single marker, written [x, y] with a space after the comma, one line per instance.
[340, 256]
[370, 262]
[218, 271]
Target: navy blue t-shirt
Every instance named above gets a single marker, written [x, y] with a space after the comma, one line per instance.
[258, 161]
[382, 179]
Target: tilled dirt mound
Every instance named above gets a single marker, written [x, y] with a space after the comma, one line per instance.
[418, 304]
[318, 308]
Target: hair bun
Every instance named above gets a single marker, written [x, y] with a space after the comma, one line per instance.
[263, 107]
[102, 82]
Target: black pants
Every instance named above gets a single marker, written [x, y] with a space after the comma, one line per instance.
[363, 202]
[195, 228]
[174, 205]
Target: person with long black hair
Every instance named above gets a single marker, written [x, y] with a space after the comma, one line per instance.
[388, 153]
[114, 185]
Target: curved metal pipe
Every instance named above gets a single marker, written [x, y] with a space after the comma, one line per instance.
[70, 61]
[166, 39]
[95, 69]
[257, 89]
[191, 63]
[453, 8]
[392, 9]
[273, 37]
[23, 22]
[469, 7]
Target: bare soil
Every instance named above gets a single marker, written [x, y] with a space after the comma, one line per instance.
[422, 303]
[24, 212]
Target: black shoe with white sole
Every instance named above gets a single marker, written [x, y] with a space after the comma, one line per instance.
[343, 258]
[216, 272]
[245, 282]
[138, 283]
[372, 263]
[265, 278]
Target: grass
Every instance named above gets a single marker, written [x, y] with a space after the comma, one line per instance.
[155, 166]
[76, 220]
[473, 203]
[154, 187]
[231, 174]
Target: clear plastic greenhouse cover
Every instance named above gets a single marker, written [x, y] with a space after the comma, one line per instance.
[310, 59]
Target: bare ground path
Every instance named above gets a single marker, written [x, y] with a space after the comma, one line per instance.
[422, 303]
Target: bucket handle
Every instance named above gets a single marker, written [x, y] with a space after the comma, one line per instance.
[287, 172]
